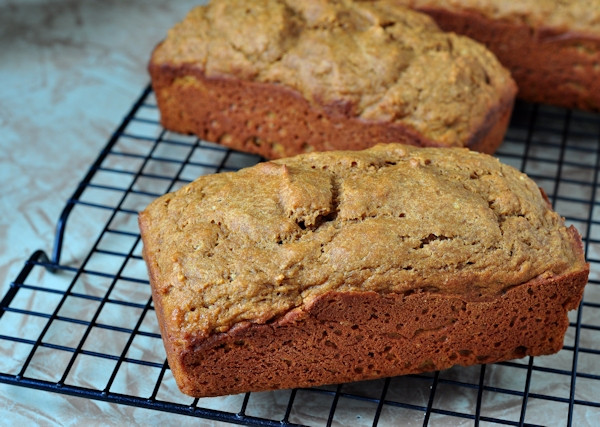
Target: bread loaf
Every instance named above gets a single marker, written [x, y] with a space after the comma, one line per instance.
[551, 47]
[343, 266]
[278, 78]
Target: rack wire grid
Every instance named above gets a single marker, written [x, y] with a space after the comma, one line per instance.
[87, 327]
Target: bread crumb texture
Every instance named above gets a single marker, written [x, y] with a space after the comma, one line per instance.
[374, 60]
[252, 245]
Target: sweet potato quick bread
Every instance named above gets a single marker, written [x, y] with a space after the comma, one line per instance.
[552, 47]
[283, 77]
[349, 265]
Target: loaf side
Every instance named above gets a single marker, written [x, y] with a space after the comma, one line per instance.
[352, 336]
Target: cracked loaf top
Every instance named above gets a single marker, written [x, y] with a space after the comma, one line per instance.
[373, 60]
[255, 244]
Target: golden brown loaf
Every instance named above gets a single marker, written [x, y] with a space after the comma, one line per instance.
[552, 47]
[279, 77]
[342, 266]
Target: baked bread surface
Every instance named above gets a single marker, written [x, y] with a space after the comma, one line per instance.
[425, 247]
[318, 65]
[583, 16]
[552, 47]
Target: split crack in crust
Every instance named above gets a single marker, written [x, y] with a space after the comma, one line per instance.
[265, 241]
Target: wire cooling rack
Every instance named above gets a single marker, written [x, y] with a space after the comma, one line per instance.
[85, 326]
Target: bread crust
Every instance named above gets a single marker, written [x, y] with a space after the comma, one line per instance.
[554, 66]
[351, 336]
[275, 121]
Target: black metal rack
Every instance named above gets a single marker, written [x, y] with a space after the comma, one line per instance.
[86, 327]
